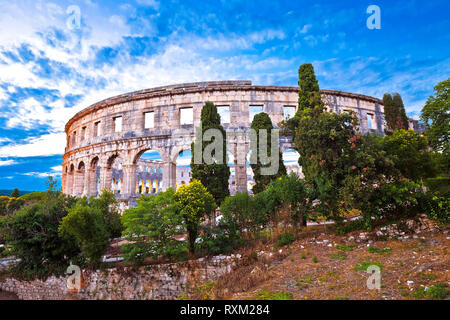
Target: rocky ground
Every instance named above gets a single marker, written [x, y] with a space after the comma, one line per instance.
[412, 255]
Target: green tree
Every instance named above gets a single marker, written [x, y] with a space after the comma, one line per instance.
[394, 112]
[213, 176]
[32, 236]
[390, 114]
[262, 121]
[409, 151]
[86, 225]
[151, 228]
[402, 118]
[325, 142]
[240, 209]
[15, 193]
[309, 97]
[436, 115]
[195, 203]
[309, 94]
[294, 197]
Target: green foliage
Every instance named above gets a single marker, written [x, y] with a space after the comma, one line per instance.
[340, 255]
[108, 206]
[309, 94]
[32, 236]
[33, 197]
[285, 238]
[213, 176]
[402, 118]
[436, 116]
[440, 185]
[241, 208]
[195, 203]
[151, 228]
[379, 251]
[15, 193]
[262, 121]
[394, 112]
[270, 295]
[435, 292]
[408, 150]
[223, 238]
[435, 206]
[9, 205]
[364, 265]
[358, 224]
[326, 143]
[344, 247]
[87, 226]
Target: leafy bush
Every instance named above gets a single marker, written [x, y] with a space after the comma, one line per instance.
[285, 238]
[439, 185]
[223, 238]
[241, 209]
[32, 236]
[195, 203]
[151, 228]
[436, 207]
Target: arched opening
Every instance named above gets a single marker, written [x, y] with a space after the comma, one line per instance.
[94, 179]
[114, 173]
[70, 179]
[78, 186]
[184, 172]
[149, 171]
[290, 160]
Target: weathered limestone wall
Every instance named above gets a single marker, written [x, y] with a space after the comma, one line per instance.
[156, 282]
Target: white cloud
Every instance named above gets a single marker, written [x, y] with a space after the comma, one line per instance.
[4, 163]
[45, 145]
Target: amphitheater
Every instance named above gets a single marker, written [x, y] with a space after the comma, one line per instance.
[105, 141]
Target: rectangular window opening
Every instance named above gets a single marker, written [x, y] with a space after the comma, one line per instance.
[187, 115]
[224, 112]
[149, 120]
[288, 112]
[118, 124]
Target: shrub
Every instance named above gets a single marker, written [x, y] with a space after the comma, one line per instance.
[436, 207]
[241, 209]
[223, 238]
[87, 226]
[151, 228]
[32, 236]
[285, 238]
[195, 203]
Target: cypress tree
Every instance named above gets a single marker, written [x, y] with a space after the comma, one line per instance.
[213, 176]
[401, 119]
[389, 112]
[309, 93]
[262, 121]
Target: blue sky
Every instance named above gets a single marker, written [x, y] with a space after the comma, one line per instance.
[50, 70]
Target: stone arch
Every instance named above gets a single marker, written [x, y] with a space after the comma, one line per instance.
[79, 179]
